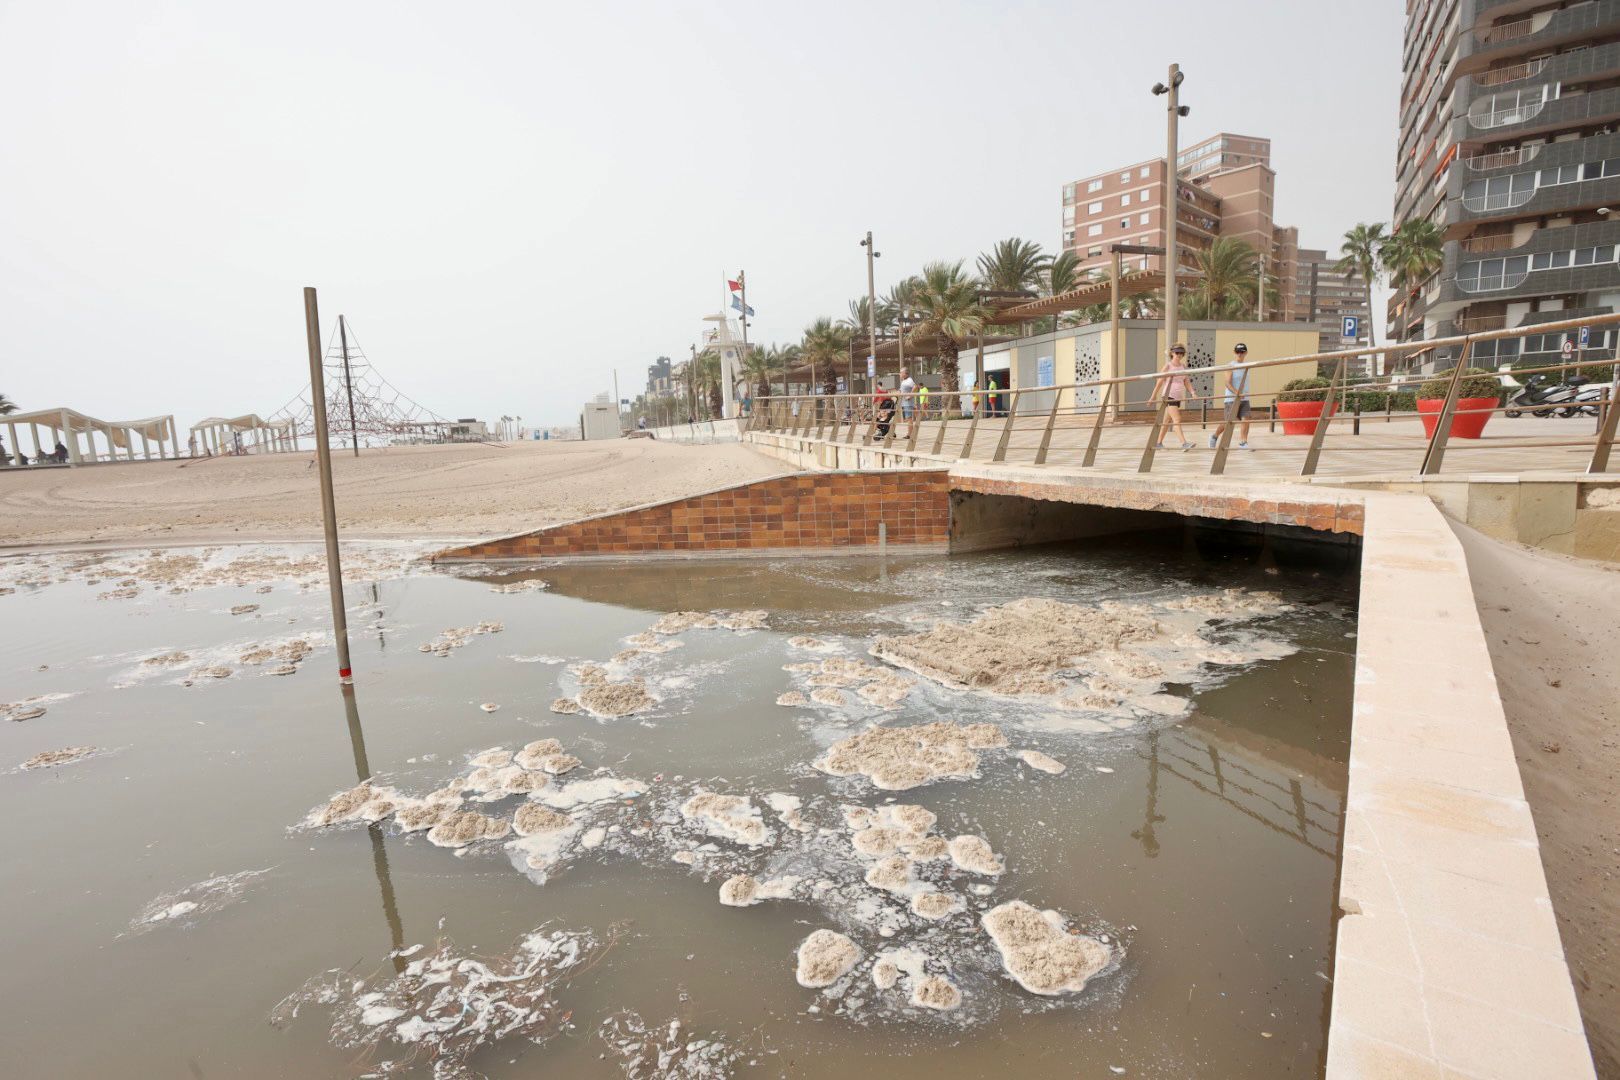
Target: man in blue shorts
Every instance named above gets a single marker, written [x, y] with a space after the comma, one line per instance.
[1236, 399]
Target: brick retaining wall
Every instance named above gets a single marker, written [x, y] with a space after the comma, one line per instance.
[801, 511]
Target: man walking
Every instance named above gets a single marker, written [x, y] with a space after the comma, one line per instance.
[1236, 399]
[908, 393]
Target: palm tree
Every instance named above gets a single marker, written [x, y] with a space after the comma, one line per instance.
[1228, 282]
[1063, 275]
[1412, 252]
[946, 308]
[1362, 254]
[1012, 265]
[7, 406]
[759, 365]
[825, 346]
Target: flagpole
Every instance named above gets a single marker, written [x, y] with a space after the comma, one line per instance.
[742, 280]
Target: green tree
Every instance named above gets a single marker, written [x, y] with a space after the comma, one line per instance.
[7, 406]
[1412, 252]
[1361, 254]
[825, 347]
[947, 309]
[1063, 275]
[1228, 283]
[1013, 264]
[759, 366]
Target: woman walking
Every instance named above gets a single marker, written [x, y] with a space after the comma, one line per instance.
[1175, 387]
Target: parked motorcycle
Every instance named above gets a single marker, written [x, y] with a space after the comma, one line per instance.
[1539, 397]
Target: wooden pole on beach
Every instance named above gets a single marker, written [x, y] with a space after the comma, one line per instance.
[323, 455]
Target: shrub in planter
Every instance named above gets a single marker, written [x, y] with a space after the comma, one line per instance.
[1301, 404]
[1478, 391]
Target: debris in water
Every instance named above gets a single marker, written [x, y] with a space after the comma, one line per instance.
[1044, 762]
[1040, 953]
[935, 905]
[202, 898]
[23, 712]
[663, 1052]
[739, 890]
[52, 758]
[528, 585]
[614, 699]
[793, 699]
[457, 636]
[678, 622]
[827, 695]
[218, 671]
[825, 957]
[489, 706]
[935, 992]
[533, 818]
[167, 659]
[565, 705]
[244, 609]
[897, 759]
[447, 1005]
[534, 755]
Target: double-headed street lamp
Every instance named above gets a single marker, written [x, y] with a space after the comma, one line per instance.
[1172, 202]
[871, 310]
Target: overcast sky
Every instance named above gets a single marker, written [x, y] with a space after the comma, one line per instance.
[510, 200]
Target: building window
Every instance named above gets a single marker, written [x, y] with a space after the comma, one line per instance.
[1124, 222]
[1125, 200]
[1068, 215]
[1095, 185]
[1142, 196]
[1093, 252]
[1144, 172]
[1094, 208]
[1142, 219]
[1094, 230]
[1068, 193]
[1499, 192]
[1125, 177]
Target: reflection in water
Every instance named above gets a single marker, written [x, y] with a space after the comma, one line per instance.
[1150, 842]
[379, 854]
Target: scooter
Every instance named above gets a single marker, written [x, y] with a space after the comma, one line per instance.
[1540, 398]
[1589, 401]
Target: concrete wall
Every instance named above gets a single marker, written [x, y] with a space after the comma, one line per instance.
[980, 522]
[705, 431]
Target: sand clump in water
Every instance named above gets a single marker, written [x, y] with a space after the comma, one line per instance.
[244, 609]
[897, 759]
[879, 687]
[23, 711]
[534, 755]
[678, 622]
[465, 827]
[457, 636]
[935, 992]
[532, 818]
[730, 817]
[827, 695]
[934, 906]
[973, 854]
[1039, 953]
[1106, 657]
[615, 699]
[793, 699]
[825, 957]
[528, 585]
[167, 659]
[1044, 762]
[52, 758]
[565, 706]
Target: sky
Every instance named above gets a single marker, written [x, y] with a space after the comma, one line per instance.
[510, 201]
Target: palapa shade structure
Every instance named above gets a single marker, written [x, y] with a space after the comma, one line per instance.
[68, 425]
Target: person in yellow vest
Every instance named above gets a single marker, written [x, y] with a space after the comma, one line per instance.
[922, 403]
[992, 387]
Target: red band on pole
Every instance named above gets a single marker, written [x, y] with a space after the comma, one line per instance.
[344, 673]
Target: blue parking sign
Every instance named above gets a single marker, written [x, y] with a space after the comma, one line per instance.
[1352, 327]
[1586, 336]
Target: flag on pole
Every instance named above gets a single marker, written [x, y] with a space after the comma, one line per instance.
[737, 305]
[736, 286]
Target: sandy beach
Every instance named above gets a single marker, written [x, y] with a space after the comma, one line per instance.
[1550, 623]
[464, 490]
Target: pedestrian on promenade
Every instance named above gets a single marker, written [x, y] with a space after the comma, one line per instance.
[908, 400]
[991, 386]
[922, 403]
[1175, 388]
[883, 414]
[1235, 400]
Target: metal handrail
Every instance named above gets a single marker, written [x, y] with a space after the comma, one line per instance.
[847, 412]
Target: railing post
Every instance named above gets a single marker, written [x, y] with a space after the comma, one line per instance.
[1096, 429]
[1007, 426]
[939, 436]
[973, 426]
[1146, 464]
[1435, 455]
[1223, 444]
[1314, 454]
[1051, 419]
[832, 436]
[871, 429]
[916, 424]
[1355, 428]
[854, 420]
[1605, 435]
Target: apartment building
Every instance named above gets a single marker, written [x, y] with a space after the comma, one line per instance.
[1226, 187]
[1324, 296]
[1510, 142]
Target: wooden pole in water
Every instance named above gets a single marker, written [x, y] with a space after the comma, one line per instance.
[323, 455]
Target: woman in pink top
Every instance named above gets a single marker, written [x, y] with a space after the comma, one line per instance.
[1176, 388]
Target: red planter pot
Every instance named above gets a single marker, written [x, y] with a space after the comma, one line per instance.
[1299, 417]
[1465, 423]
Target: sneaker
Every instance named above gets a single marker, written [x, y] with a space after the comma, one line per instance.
[1214, 441]
[1186, 446]
[1243, 446]
[1158, 446]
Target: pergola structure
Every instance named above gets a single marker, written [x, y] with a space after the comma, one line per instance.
[244, 435]
[66, 426]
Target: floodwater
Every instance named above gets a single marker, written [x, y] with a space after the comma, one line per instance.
[163, 898]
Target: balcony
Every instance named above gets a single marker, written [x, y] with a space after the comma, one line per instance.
[1480, 245]
[1554, 199]
[1494, 77]
[1522, 118]
[1477, 50]
[1490, 282]
[1501, 158]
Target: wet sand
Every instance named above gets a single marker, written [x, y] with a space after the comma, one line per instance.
[1550, 623]
[463, 490]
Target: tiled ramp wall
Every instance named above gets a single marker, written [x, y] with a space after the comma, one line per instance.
[822, 511]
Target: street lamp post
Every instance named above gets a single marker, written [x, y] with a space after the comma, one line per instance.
[1174, 111]
[871, 310]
